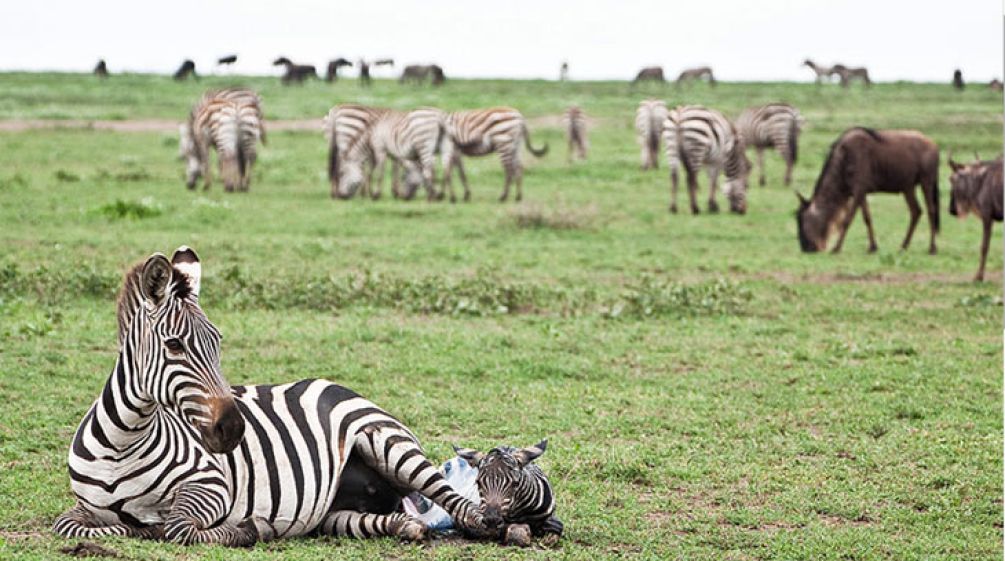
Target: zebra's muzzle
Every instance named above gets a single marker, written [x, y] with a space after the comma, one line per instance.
[227, 429]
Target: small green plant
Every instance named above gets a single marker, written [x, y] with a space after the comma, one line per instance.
[144, 208]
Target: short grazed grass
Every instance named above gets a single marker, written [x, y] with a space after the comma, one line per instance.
[708, 391]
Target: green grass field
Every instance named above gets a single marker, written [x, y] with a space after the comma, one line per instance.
[709, 391]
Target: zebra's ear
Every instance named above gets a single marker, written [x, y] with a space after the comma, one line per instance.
[187, 262]
[472, 457]
[531, 453]
[154, 279]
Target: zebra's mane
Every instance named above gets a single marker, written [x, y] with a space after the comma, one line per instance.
[130, 298]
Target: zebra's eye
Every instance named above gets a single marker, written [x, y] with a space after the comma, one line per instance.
[174, 345]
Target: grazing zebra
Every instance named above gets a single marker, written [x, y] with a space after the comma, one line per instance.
[101, 69]
[575, 131]
[295, 73]
[231, 122]
[410, 139]
[479, 132]
[417, 73]
[333, 67]
[346, 127]
[822, 72]
[649, 119]
[186, 69]
[514, 491]
[650, 74]
[697, 136]
[775, 125]
[847, 74]
[696, 74]
[170, 451]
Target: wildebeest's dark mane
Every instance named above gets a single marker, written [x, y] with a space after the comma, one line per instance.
[830, 153]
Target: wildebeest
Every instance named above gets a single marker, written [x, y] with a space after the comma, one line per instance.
[364, 69]
[226, 60]
[996, 85]
[650, 74]
[864, 161]
[101, 69]
[186, 69]
[295, 73]
[847, 74]
[331, 75]
[958, 79]
[696, 74]
[418, 73]
[977, 189]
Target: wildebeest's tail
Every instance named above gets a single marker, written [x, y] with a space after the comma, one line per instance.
[526, 140]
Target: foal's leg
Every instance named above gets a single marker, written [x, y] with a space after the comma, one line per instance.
[915, 208]
[867, 218]
[366, 525]
[78, 522]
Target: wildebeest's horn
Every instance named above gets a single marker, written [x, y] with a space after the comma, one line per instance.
[801, 198]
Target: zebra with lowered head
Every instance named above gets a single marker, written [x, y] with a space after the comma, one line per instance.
[230, 121]
[514, 491]
[170, 451]
[649, 119]
[775, 125]
[696, 136]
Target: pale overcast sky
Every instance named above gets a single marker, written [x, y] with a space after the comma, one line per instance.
[601, 39]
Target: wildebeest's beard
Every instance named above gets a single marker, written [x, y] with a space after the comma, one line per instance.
[965, 184]
[812, 228]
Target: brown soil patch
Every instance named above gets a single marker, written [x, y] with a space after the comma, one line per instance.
[140, 125]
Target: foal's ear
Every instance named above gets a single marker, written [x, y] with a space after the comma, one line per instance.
[155, 278]
[531, 453]
[472, 457]
[186, 261]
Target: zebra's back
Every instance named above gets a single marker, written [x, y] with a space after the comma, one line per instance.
[771, 125]
[696, 136]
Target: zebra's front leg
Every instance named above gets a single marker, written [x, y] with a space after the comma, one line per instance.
[464, 180]
[367, 525]
[195, 514]
[760, 164]
[713, 187]
[78, 522]
[392, 451]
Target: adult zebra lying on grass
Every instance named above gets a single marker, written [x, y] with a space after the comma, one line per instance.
[863, 161]
[775, 125]
[696, 136]
[479, 132]
[649, 119]
[977, 189]
[231, 122]
[170, 451]
[514, 491]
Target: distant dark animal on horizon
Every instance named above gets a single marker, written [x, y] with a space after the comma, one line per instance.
[847, 74]
[976, 188]
[821, 72]
[364, 69]
[693, 74]
[697, 137]
[101, 69]
[226, 60]
[418, 73]
[649, 119]
[186, 69]
[575, 132]
[863, 161]
[775, 125]
[650, 74]
[295, 73]
[331, 75]
[563, 72]
[958, 79]
[995, 85]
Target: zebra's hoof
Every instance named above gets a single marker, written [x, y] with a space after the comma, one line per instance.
[673, 209]
[550, 540]
[695, 210]
[713, 207]
[518, 535]
[412, 531]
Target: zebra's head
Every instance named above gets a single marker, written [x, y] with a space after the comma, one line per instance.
[188, 151]
[737, 182]
[509, 485]
[176, 348]
[351, 179]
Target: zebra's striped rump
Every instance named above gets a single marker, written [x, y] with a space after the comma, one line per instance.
[170, 451]
[514, 490]
[649, 119]
[230, 121]
[776, 126]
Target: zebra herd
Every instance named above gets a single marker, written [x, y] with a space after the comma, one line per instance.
[170, 451]
[695, 137]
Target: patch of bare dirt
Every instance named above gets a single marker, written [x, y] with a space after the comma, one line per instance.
[140, 125]
[89, 549]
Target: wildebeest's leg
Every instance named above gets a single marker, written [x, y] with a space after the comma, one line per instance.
[194, 515]
[367, 525]
[760, 164]
[674, 179]
[713, 180]
[78, 522]
[930, 190]
[846, 223]
[915, 209]
[867, 218]
[985, 241]
[390, 449]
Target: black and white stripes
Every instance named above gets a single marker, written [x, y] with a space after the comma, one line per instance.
[229, 121]
[649, 119]
[775, 125]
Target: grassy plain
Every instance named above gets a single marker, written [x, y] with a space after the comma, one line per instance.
[709, 391]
